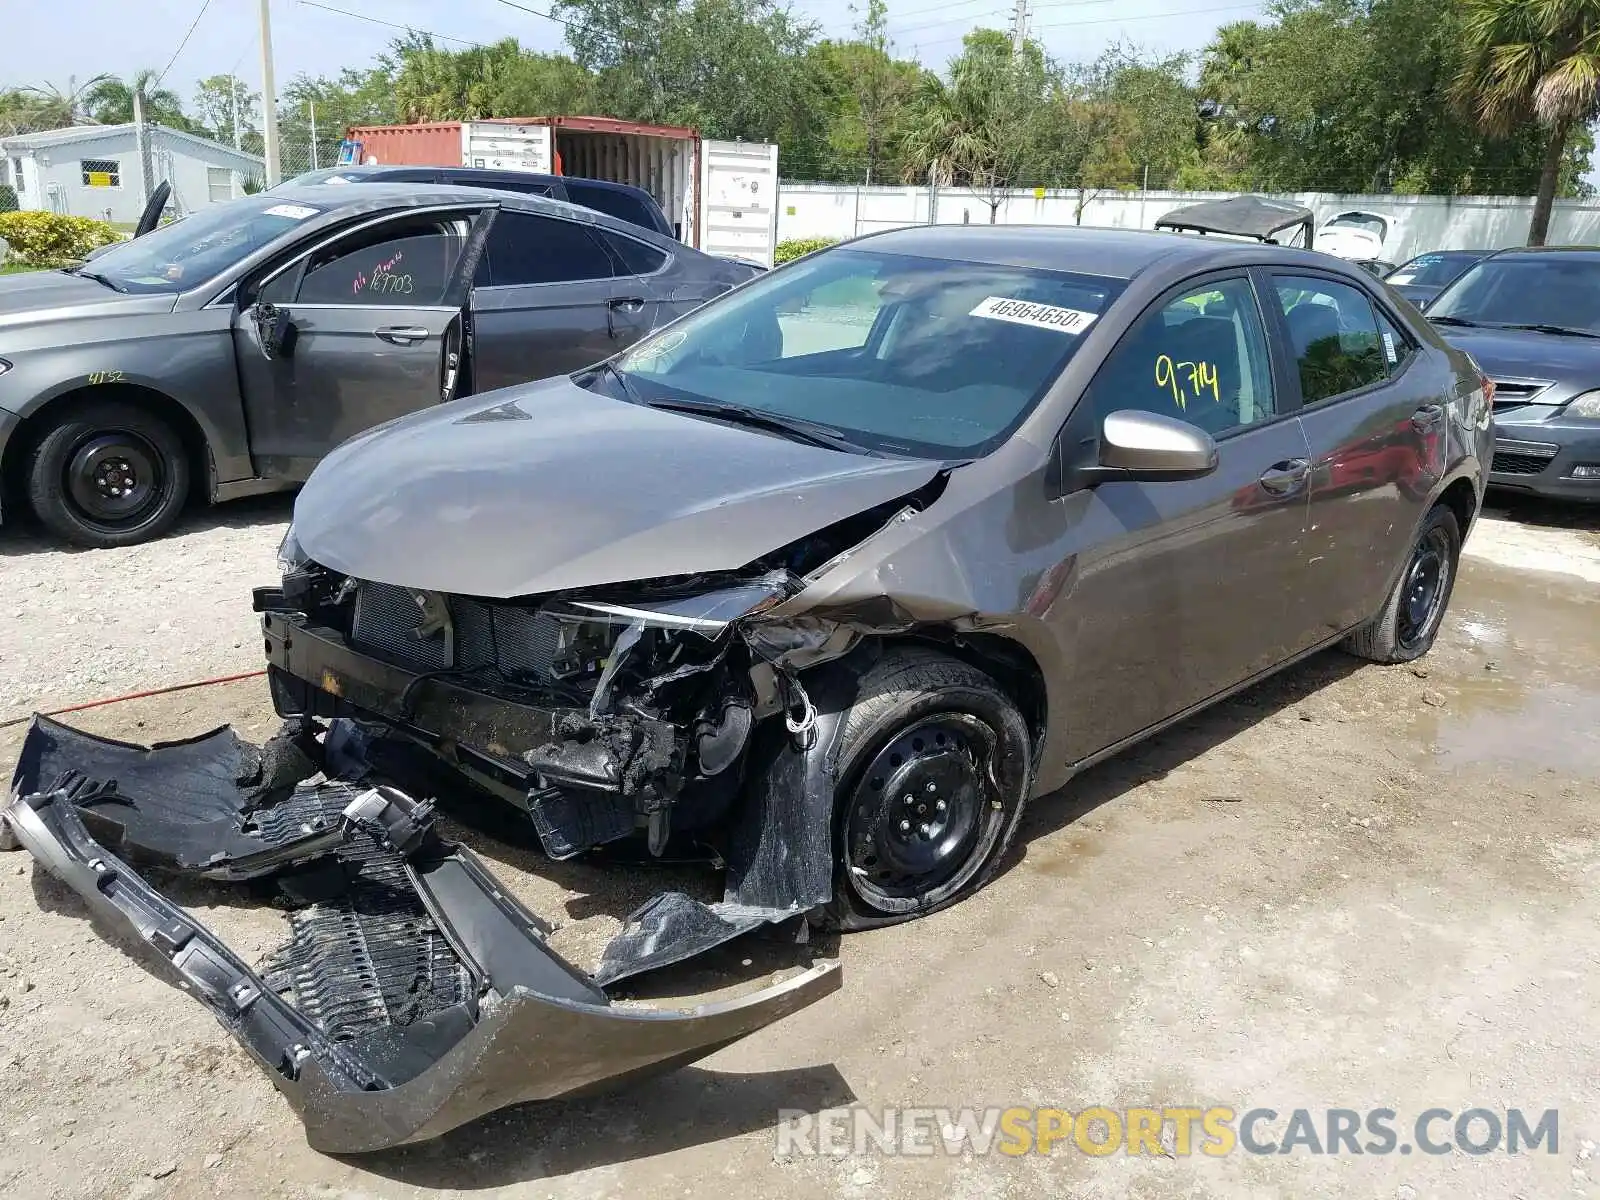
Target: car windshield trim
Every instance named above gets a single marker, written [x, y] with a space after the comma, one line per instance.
[912, 356]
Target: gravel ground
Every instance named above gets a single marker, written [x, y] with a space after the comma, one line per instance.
[78, 625]
[1350, 886]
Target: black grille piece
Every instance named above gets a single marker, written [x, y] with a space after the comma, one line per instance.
[370, 958]
[386, 619]
[1518, 464]
[515, 641]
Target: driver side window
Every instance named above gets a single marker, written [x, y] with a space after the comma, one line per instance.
[401, 263]
[1200, 357]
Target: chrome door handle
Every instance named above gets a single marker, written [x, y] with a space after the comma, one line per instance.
[631, 304]
[402, 335]
[1285, 477]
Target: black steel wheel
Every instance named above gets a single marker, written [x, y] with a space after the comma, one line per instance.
[108, 474]
[1409, 622]
[1424, 587]
[936, 763]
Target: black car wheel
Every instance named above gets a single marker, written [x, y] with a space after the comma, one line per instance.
[108, 474]
[1415, 608]
[935, 767]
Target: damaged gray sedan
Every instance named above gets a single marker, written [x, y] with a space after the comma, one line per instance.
[830, 576]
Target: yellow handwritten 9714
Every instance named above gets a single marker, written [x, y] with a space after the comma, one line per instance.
[1187, 379]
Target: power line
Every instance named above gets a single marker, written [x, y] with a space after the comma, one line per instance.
[443, 37]
[1161, 16]
[204, 5]
[535, 12]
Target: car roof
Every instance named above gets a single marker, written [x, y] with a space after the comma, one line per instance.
[1110, 253]
[1580, 252]
[372, 197]
[376, 171]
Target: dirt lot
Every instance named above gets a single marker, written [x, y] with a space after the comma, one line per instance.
[1351, 887]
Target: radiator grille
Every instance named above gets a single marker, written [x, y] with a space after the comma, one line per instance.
[518, 642]
[1518, 464]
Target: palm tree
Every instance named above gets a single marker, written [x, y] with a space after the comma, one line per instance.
[110, 100]
[1532, 59]
[46, 106]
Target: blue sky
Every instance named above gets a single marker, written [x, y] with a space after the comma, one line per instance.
[83, 37]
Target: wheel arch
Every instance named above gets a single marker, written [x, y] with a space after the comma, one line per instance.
[196, 442]
[1461, 498]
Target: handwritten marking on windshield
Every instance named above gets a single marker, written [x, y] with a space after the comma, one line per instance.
[106, 377]
[1187, 380]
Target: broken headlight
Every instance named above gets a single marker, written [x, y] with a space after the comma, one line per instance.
[290, 556]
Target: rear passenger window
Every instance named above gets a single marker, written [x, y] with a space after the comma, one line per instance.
[613, 203]
[1397, 347]
[1201, 358]
[529, 249]
[1335, 337]
[635, 256]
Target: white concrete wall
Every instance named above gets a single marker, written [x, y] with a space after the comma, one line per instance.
[1426, 222]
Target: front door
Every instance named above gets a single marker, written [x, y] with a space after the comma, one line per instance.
[550, 300]
[1184, 589]
[364, 328]
[1374, 412]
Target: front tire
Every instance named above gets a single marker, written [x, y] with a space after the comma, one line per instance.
[1409, 622]
[108, 473]
[935, 765]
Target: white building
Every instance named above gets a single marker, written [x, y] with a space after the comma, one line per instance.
[93, 170]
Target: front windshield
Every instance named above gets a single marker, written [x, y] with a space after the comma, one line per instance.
[1545, 289]
[325, 175]
[176, 257]
[905, 355]
[1431, 270]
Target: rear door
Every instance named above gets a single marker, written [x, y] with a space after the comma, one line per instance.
[1374, 410]
[1183, 589]
[551, 298]
[362, 328]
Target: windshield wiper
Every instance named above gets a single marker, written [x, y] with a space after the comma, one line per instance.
[795, 428]
[99, 278]
[1456, 321]
[1558, 330]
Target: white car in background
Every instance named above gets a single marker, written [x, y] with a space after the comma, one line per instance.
[1360, 235]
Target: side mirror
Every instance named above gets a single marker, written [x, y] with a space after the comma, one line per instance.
[1130, 445]
[275, 329]
[1144, 445]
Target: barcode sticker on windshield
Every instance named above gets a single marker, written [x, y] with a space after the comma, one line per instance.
[1041, 316]
[1388, 348]
[294, 212]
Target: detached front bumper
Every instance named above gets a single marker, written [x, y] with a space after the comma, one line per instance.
[413, 995]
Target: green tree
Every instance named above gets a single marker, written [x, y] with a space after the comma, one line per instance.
[110, 101]
[222, 102]
[982, 127]
[48, 106]
[1533, 60]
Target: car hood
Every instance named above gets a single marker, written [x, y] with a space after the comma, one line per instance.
[1571, 363]
[550, 487]
[34, 295]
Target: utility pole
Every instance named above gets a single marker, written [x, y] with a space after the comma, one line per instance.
[141, 141]
[311, 108]
[269, 99]
[233, 100]
[1019, 27]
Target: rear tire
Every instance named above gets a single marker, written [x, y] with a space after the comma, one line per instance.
[108, 473]
[1405, 628]
[935, 766]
